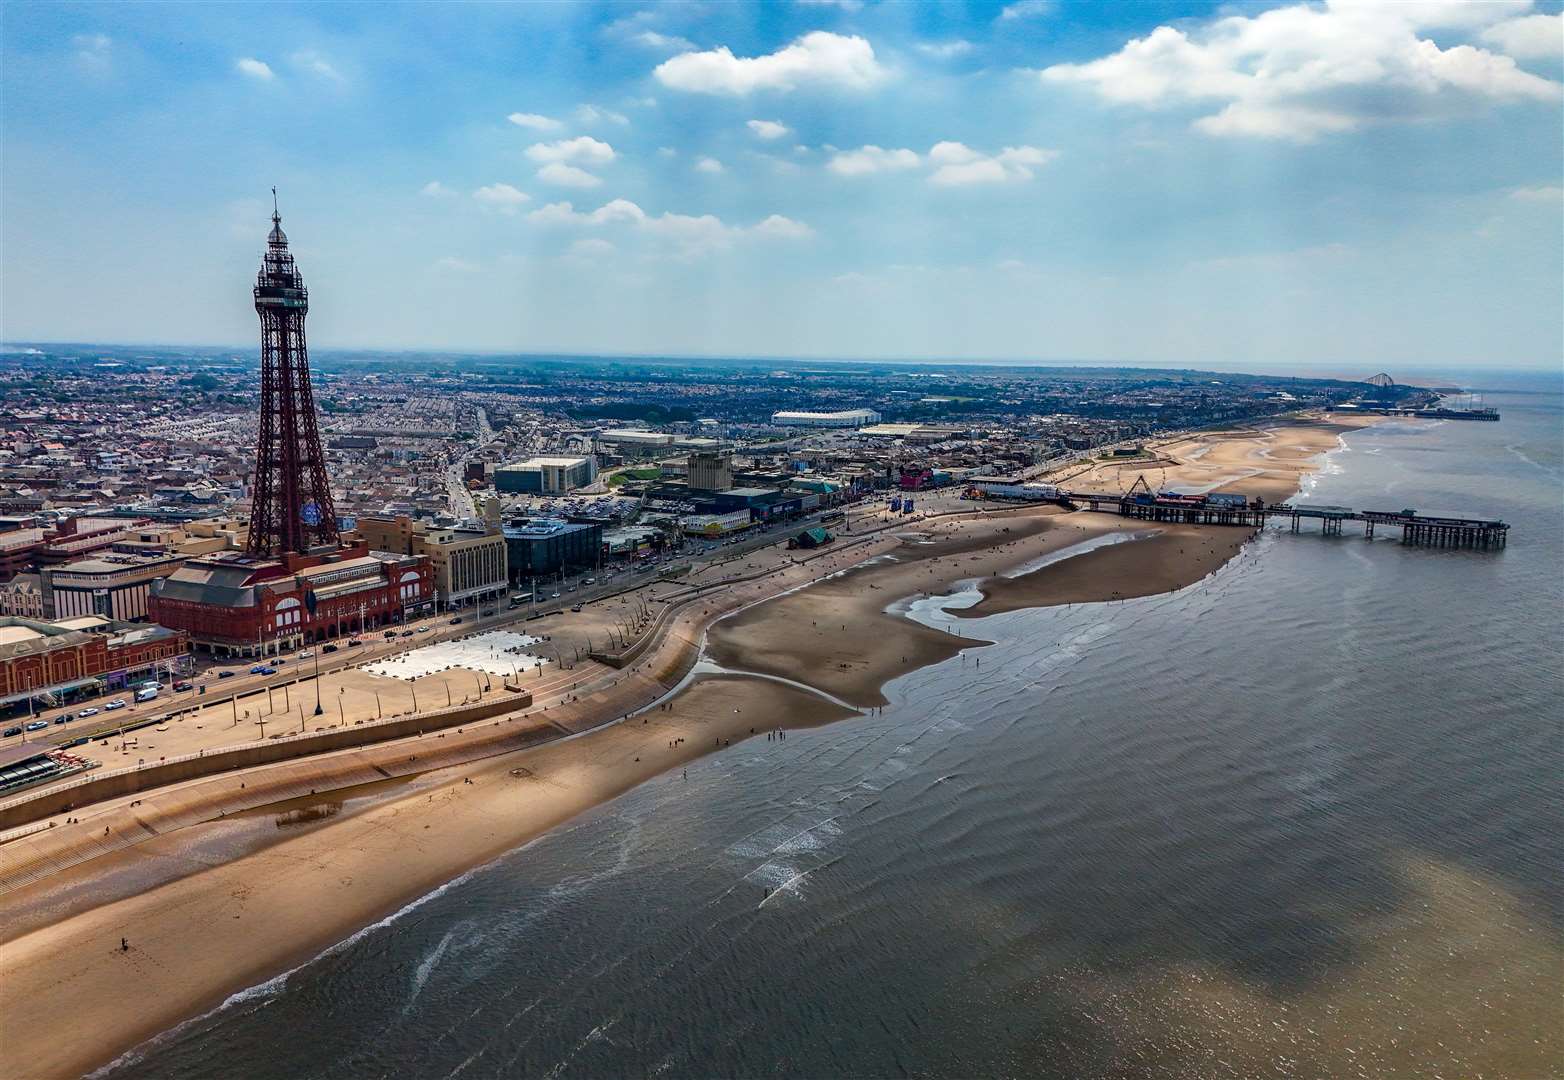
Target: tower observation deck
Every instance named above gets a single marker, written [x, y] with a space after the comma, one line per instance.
[290, 504]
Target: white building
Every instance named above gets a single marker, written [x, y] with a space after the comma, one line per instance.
[845, 418]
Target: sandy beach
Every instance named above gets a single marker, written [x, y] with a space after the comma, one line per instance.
[207, 910]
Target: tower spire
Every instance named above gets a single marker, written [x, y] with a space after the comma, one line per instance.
[291, 510]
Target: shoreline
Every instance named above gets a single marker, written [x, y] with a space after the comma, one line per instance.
[358, 870]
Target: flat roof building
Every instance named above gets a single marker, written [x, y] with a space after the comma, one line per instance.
[844, 418]
[545, 476]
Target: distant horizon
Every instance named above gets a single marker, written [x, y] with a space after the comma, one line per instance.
[1423, 374]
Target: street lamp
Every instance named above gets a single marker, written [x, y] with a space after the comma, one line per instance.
[318, 709]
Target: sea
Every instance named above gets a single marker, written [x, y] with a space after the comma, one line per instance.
[1301, 819]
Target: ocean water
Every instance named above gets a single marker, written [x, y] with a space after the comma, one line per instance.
[1301, 819]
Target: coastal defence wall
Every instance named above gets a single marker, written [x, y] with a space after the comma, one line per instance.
[132, 781]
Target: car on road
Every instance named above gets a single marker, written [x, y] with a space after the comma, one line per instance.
[305, 655]
[589, 581]
[86, 713]
[353, 643]
[182, 684]
[423, 629]
[328, 648]
[225, 674]
[268, 671]
[8, 732]
[554, 596]
[575, 607]
[117, 703]
[456, 621]
[407, 633]
[257, 669]
[64, 718]
[390, 634]
[37, 725]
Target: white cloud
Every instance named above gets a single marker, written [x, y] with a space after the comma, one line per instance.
[783, 228]
[583, 149]
[1010, 266]
[871, 159]
[557, 172]
[1303, 71]
[435, 190]
[691, 234]
[93, 50]
[501, 197]
[1548, 193]
[944, 50]
[959, 164]
[1531, 37]
[316, 64]
[768, 129]
[818, 58]
[255, 69]
[849, 6]
[592, 114]
[1025, 9]
[452, 265]
[667, 152]
[533, 121]
[651, 39]
[709, 165]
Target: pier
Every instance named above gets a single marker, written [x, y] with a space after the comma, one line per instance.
[1416, 529]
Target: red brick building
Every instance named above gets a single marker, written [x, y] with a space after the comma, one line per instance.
[231, 604]
[59, 659]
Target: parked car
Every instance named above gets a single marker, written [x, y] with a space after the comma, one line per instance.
[37, 725]
[8, 732]
[86, 713]
[225, 674]
[575, 607]
[117, 703]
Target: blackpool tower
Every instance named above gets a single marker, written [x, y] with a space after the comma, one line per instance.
[290, 504]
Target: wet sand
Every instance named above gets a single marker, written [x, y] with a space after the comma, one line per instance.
[223, 927]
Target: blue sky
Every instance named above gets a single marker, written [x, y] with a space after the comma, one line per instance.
[1320, 186]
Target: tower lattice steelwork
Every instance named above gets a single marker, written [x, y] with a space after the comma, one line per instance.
[290, 506]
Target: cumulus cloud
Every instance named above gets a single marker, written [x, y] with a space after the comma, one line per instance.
[533, 121]
[768, 129]
[315, 64]
[783, 228]
[501, 197]
[958, 164]
[944, 50]
[1530, 37]
[1025, 9]
[651, 39]
[558, 173]
[1547, 193]
[709, 165]
[582, 149]
[435, 190]
[255, 69]
[819, 58]
[93, 50]
[592, 114]
[690, 233]
[871, 159]
[1304, 71]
